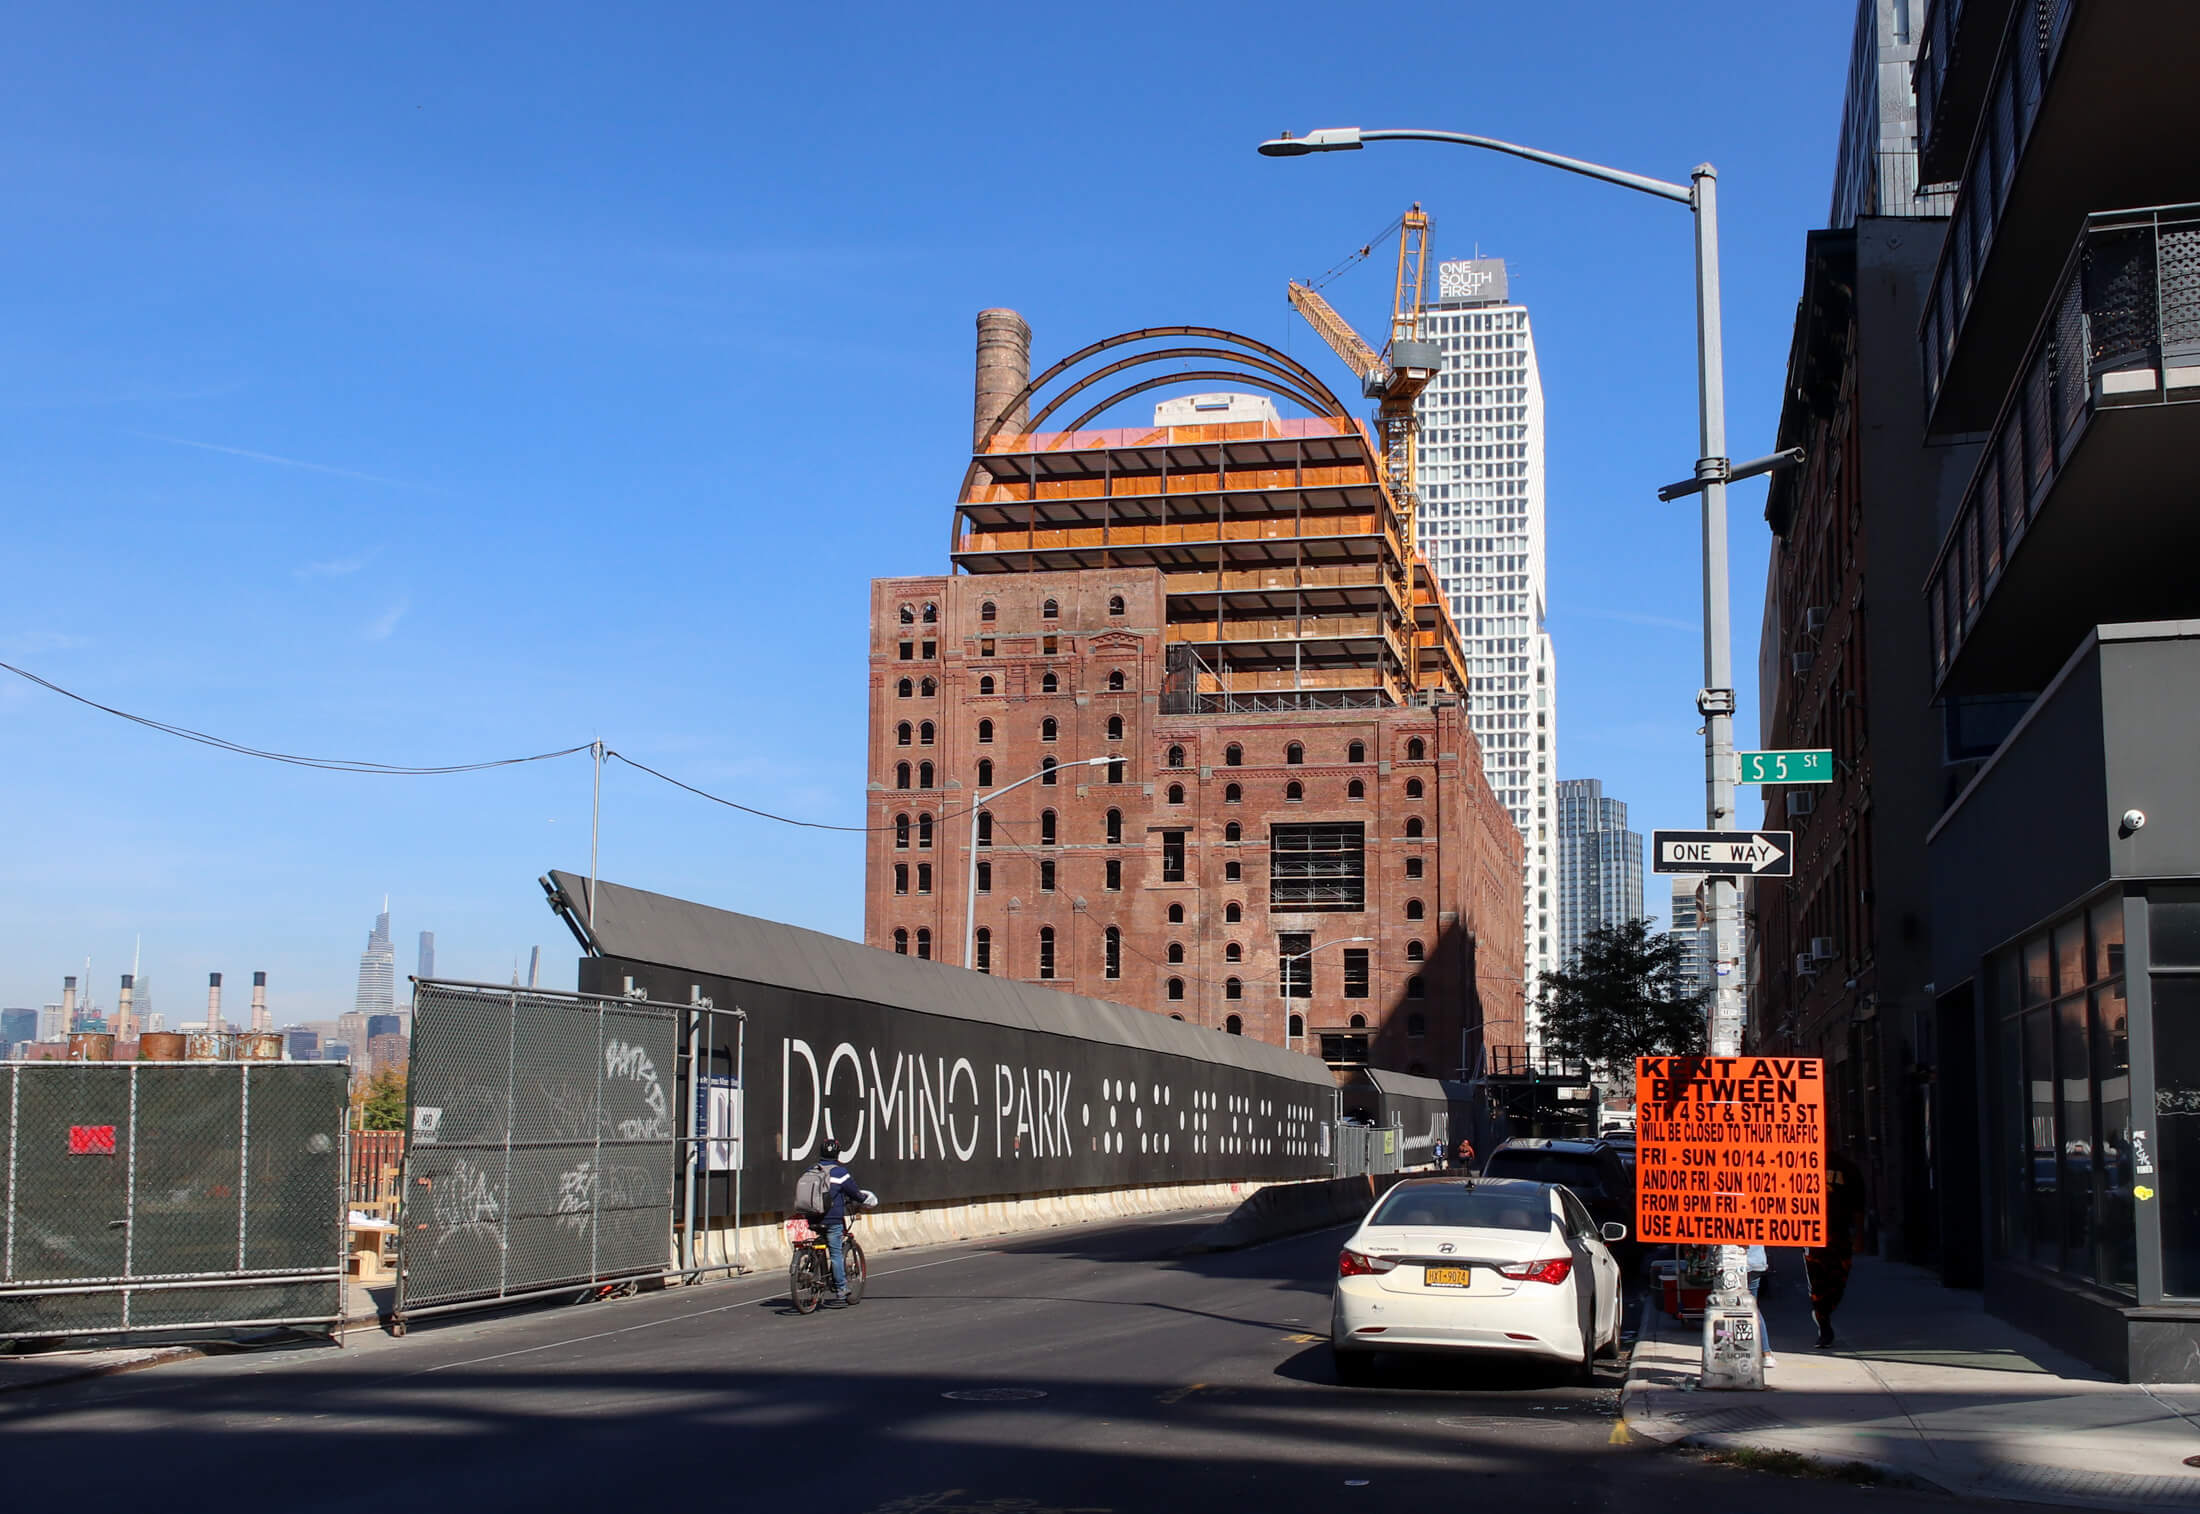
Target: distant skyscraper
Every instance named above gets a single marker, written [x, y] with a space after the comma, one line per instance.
[381, 1025]
[141, 1004]
[1481, 528]
[427, 955]
[1599, 864]
[377, 970]
[1687, 926]
[18, 1025]
[52, 1025]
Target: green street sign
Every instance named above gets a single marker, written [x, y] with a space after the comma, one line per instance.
[1786, 767]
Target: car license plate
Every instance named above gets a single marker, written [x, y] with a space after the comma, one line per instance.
[1448, 1277]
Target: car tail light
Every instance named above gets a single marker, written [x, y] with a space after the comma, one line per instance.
[1352, 1263]
[1553, 1271]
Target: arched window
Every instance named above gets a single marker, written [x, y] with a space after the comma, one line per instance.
[925, 733]
[1176, 793]
[1233, 912]
[1176, 988]
[1234, 1026]
[901, 942]
[901, 877]
[924, 945]
[1050, 685]
[1233, 793]
[901, 775]
[1358, 1022]
[1413, 826]
[1114, 958]
[1115, 728]
[1176, 1017]
[1414, 987]
[1115, 827]
[903, 733]
[1233, 755]
[985, 950]
[1048, 824]
[1176, 953]
[1049, 729]
[901, 832]
[1413, 788]
[985, 772]
[985, 877]
[1415, 910]
[1115, 604]
[1415, 951]
[904, 689]
[1233, 988]
[1298, 1026]
[1046, 772]
[1233, 832]
[1046, 951]
[1233, 953]
[1050, 611]
[1294, 753]
[1176, 758]
[985, 684]
[928, 688]
[1115, 680]
[1355, 790]
[924, 775]
[908, 615]
[1115, 771]
[924, 831]
[1416, 750]
[985, 732]
[1294, 791]
[987, 613]
[931, 615]
[1176, 914]
[985, 827]
[1416, 1026]
[1357, 752]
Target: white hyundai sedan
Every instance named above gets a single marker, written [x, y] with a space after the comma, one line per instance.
[1481, 1266]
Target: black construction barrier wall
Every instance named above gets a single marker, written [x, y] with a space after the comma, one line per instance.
[946, 1085]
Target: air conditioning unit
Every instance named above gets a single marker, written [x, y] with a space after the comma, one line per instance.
[1799, 662]
[1814, 620]
[1821, 948]
[1806, 966]
[1801, 804]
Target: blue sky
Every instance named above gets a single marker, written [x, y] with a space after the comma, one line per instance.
[429, 383]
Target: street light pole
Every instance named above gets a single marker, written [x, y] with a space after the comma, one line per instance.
[1301, 957]
[1715, 701]
[970, 896]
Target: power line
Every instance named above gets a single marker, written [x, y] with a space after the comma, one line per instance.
[748, 809]
[327, 764]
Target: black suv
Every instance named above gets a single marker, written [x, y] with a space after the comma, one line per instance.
[1592, 1169]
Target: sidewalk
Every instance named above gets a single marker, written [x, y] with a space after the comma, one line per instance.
[1923, 1384]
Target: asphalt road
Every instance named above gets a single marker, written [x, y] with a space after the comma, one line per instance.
[1141, 1381]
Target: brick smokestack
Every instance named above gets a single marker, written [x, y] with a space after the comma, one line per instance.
[68, 1005]
[213, 1001]
[125, 1016]
[260, 1020]
[1004, 367]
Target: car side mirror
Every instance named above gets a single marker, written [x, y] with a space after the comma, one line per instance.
[1614, 1231]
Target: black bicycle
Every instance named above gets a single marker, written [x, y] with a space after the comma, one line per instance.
[810, 1271]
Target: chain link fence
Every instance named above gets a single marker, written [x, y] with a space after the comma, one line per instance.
[161, 1196]
[539, 1153]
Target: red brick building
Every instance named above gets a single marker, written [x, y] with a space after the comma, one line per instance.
[1288, 834]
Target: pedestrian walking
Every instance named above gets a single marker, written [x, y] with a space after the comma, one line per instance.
[1466, 1154]
[1759, 1265]
[1828, 1266]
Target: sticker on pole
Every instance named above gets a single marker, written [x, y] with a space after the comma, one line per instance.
[1730, 1151]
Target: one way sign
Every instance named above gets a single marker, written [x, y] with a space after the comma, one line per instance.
[1769, 854]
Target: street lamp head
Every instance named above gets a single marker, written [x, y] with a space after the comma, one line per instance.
[1327, 139]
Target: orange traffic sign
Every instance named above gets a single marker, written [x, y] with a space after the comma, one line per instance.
[1730, 1151]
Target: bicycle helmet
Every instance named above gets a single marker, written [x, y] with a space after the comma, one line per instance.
[829, 1150]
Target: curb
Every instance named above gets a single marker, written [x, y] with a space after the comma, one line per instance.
[152, 1358]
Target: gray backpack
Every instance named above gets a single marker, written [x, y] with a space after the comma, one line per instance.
[813, 1192]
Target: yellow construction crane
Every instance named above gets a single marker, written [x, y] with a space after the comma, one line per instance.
[1395, 377]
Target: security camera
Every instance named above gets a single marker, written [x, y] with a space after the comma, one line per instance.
[2134, 820]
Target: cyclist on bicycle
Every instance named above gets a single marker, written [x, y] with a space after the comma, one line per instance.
[844, 1190]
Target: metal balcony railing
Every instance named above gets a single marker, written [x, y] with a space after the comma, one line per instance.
[2122, 330]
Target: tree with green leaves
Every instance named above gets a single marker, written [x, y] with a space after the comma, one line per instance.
[1625, 996]
[383, 1106]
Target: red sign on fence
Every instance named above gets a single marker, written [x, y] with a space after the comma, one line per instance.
[91, 1140]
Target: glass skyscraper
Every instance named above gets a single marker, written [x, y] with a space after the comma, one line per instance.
[1599, 864]
[377, 970]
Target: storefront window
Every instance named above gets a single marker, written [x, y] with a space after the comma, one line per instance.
[2116, 1255]
[2173, 919]
[2043, 1214]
